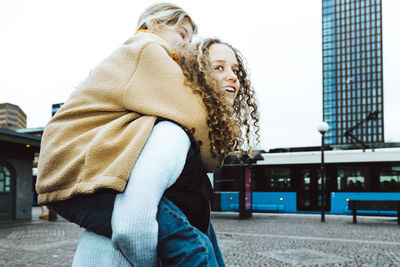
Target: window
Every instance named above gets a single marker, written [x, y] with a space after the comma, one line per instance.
[329, 111]
[5, 179]
[227, 179]
[328, 24]
[12, 120]
[329, 67]
[329, 60]
[328, 31]
[389, 178]
[329, 53]
[329, 38]
[330, 96]
[330, 118]
[327, 4]
[328, 17]
[329, 81]
[328, 10]
[353, 179]
[331, 140]
[274, 179]
[329, 45]
[12, 108]
[329, 74]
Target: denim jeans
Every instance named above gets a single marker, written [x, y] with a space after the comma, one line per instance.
[181, 244]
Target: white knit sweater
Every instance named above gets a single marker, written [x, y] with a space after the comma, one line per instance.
[134, 224]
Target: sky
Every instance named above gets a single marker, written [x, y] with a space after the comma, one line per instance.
[49, 46]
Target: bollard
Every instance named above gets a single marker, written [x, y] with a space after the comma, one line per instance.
[52, 214]
[48, 213]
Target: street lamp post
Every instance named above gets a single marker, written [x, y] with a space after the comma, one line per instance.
[323, 128]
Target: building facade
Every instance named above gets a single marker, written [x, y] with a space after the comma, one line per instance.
[16, 160]
[352, 71]
[11, 117]
[38, 132]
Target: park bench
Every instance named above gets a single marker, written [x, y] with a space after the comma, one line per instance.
[381, 205]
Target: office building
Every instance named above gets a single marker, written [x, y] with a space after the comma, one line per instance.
[11, 117]
[352, 71]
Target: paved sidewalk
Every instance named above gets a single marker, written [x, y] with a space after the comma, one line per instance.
[302, 240]
[263, 240]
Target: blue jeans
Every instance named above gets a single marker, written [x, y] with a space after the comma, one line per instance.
[181, 244]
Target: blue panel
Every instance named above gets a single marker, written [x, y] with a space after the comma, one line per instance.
[262, 201]
[272, 200]
[229, 201]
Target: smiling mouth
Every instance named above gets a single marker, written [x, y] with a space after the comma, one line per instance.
[230, 90]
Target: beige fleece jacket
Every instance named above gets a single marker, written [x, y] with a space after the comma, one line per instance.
[93, 141]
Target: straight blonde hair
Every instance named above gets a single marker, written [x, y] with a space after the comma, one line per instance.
[164, 14]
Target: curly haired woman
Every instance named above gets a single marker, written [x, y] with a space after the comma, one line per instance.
[215, 70]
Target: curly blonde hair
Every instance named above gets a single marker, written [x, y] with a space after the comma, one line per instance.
[231, 129]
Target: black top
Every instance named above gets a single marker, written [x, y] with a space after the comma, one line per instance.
[192, 191]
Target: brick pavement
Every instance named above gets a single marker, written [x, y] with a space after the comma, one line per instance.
[263, 240]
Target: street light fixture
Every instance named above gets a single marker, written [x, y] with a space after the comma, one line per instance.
[323, 128]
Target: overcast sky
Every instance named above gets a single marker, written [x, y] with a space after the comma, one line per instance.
[49, 46]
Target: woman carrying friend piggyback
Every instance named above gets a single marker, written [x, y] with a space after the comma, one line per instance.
[215, 70]
[90, 146]
[133, 119]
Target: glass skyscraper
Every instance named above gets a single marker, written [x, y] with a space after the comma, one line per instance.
[352, 69]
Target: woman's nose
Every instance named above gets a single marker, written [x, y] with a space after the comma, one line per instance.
[231, 76]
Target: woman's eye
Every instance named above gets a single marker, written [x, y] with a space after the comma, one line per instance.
[219, 68]
[236, 72]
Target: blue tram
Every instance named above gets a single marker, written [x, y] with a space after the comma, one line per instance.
[291, 182]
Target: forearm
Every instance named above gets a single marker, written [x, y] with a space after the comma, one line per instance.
[134, 224]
